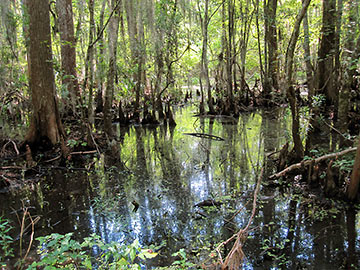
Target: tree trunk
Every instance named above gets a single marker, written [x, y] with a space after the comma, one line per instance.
[68, 54]
[246, 23]
[272, 46]
[298, 147]
[141, 53]
[90, 61]
[158, 33]
[159, 72]
[307, 56]
[8, 18]
[204, 21]
[109, 91]
[230, 58]
[325, 71]
[45, 122]
[100, 72]
[262, 72]
[349, 69]
[355, 176]
[337, 52]
[132, 19]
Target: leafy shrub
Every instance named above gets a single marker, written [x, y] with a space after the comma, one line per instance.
[60, 251]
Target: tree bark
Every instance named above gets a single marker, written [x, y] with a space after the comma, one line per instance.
[348, 71]
[325, 71]
[272, 46]
[307, 56]
[45, 120]
[68, 53]
[355, 176]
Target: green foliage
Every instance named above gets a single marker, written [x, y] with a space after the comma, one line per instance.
[345, 165]
[182, 262]
[5, 240]
[275, 251]
[60, 251]
[318, 100]
[73, 143]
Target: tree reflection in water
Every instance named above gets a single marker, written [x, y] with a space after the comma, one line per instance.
[167, 173]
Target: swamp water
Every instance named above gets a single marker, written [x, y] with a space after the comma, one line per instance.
[166, 172]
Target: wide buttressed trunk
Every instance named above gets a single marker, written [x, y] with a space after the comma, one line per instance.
[45, 119]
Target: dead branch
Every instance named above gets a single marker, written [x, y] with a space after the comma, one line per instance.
[338, 132]
[93, 139]
[236, 255]
[309, 161]
[24, 230]
[12, 168]
[101, 32]
[70, 154]
[206, 136]
[237, 212]
[53, 159]
[84, 152]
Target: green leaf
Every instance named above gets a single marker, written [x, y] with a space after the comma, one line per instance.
[148, 253]
[132, 254]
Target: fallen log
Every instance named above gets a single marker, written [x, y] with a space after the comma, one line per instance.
[309, 161]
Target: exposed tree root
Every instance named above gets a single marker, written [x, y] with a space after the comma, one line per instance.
[3, 150]
[311, 161]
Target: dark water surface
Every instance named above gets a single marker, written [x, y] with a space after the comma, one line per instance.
[167, 173]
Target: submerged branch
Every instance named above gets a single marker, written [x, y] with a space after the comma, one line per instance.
[310, 161]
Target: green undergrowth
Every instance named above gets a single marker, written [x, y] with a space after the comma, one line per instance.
[58, 251]
[61, 251]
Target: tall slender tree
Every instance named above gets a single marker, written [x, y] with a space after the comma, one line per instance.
[8, 20]
[204, 21]
[113, 41]
[68, 53]
[298, 149]
[307, 56]
[89, 66]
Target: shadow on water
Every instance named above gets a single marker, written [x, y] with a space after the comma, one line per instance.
[164, 174]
